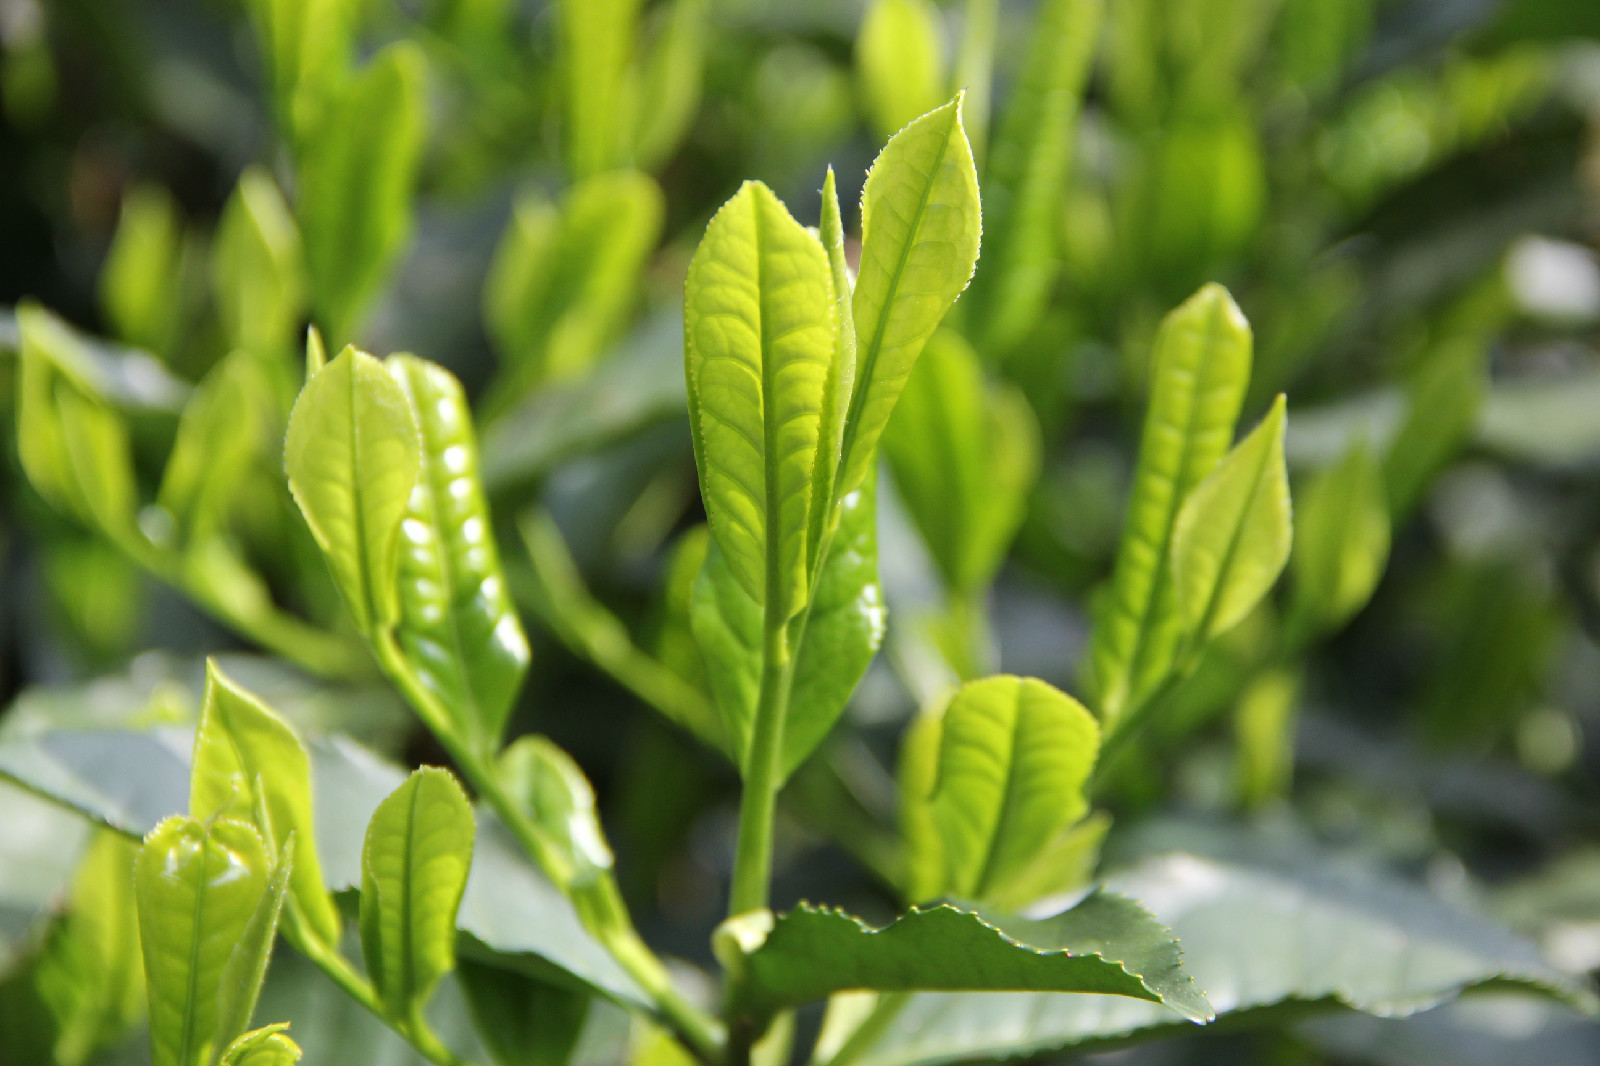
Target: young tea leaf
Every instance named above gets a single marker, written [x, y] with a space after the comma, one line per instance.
[356, 181]
[413, 873]
[353, 457]
[671, 73]
[258, 268]
[249, 764]
[920, 224]
[140, 285]
[207, 900]
[220, 435]
[549, 786]
[305, 46]
[759, 325]
[267, 1046]
[1233, 534]
[841, 379]
[1006, 780]
[597, 39]
[899, 62]
[457, 627]
[1341, 540]
[1200, 372]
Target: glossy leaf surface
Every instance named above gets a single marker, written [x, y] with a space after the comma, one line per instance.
[413, 872]
[249, 764]
[1200, 369]
[458, 629]
[1233, 534]
[920, 228]
[1106, 944]
[548, 785]
[759, 327]
[353, 458]
[840, 382]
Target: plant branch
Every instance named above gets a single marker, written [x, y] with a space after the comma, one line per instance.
[752, 869]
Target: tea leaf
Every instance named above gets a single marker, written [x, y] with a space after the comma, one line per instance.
[249, 764]
[919, 243]
[670, 76]
[267, 1046]
[353, 457]
[1200, 371]
[139, 287]
[899, 62]
[523, 1021]
[413, 873]
[840, 382]
[208, 899]
[355, 185]
[257, 267]
[1027, 169]
[597, 39]
[1106, 944]
[759, 340]
[457, 627]
[1341, 540]
[220, 435]
[964, 457]
[305, 47]
[1233, 534]
[1012, 758]
[1442, 407]
[842, 633]
[548, 785]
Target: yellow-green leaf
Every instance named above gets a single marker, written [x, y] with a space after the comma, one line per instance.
[267, 1046]
[258, 268]
[899, 62]
[550, 787]
[305, 47]
[220, 434]
[670, 77]
[352, 457]
[1233, 534]
[1341, 540]
[413, 872]
[920, 226]
[597, 39]
[140, 285]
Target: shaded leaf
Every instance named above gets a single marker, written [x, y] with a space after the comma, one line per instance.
[1442, 406]
[457, 628]
[1201, 366]
[919, 242]
[413, 872]
[1233, 534]
[521, 1020]
[353, 457]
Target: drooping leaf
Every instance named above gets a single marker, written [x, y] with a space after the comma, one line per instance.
[258, 267]
[964, 457]
[305, 46]
[1233, 533]
[759, 325]
[207, 897]
[1105, 944]
[843, 632]
[564, 277]
[1341, 540]
[1200, 369]
[597, 39]
[1027, 170]
[552, 790]
[457, 629]
[920, 224]
[220, 435]
[352, 457]
[1013, 757]
[1266, 941]
[671, 72]
[140, 287]
[413, 872]
[249, 764]
[355, 186]
[899, 62]
[268, 1046]
[521, 1020]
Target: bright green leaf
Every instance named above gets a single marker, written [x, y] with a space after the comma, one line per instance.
[355, 187]
[208, 898]
[1263, 726]
[1013, 758]
[1233, 533]
[597, 40]
[220, 435]
[919, 243]
[1105, 944]
[249, 764]
[670, 77]
[140, 284]
[257, 267]
[843, 632]
[457, 627]
[964, 457]
[900, 62]
[353, 458]
[306, 46]
[841, 379]
[564, 277]
[1201, 367]
[267, 1046]
[1341, 540]
[759, 327]
[413, 873]
[1027, 171]
[550, 787]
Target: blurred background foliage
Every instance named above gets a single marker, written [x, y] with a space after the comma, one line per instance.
[1403, 195]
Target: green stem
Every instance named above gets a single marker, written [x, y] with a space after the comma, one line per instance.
[608, 923]
[752, 868]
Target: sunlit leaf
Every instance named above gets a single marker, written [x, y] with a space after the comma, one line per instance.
[267, 1046]
[670, 76]
[257, 267]
[220, 436]
[597, 40]
[1341, 540]
[306, 46]
[553, 791]
[141, 284]
[900, 62]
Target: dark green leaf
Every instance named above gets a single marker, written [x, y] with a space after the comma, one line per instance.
[523, 1021]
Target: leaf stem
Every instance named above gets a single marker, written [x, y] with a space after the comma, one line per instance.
[752, 868]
